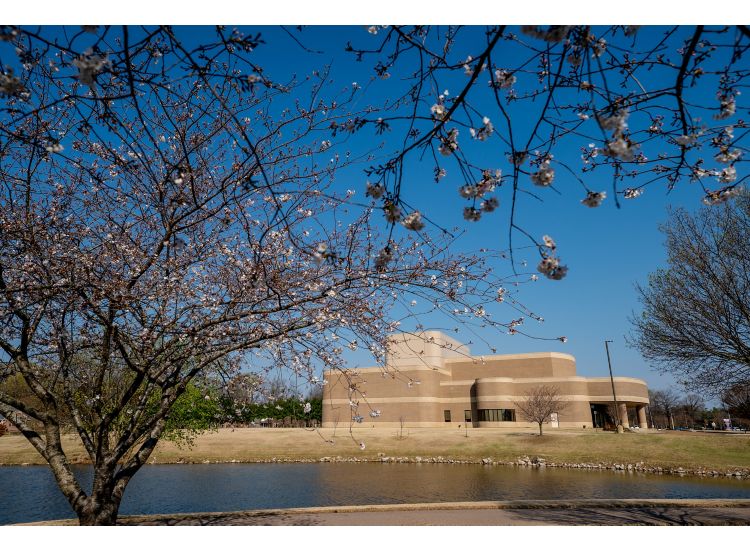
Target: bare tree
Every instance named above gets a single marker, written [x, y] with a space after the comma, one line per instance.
[692, 406]
[664, 402]
[696, 316]
[737, 400]
[540, 403]
[401, 421]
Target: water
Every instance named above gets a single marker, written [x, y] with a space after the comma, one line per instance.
[29, 493]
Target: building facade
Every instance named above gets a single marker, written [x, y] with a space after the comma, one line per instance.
[431, 380]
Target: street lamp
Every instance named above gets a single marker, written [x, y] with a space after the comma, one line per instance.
[611, 378]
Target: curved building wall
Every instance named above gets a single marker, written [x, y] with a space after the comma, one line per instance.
[529, 365]
[440, 382]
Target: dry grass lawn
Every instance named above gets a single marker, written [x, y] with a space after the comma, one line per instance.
[686, 449]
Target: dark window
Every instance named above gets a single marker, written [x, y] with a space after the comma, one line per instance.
[467, 416]
[497, 415]
[447, 415]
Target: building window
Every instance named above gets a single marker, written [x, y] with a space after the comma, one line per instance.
[497, 415]
[467, 416]
[447, 415]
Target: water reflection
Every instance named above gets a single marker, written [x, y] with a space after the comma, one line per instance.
[30, 493]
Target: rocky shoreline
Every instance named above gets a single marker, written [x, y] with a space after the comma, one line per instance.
[520, 462]
[539, 462]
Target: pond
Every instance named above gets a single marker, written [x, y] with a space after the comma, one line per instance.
[29, 493]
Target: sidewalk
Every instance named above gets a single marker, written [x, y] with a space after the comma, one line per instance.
[500, 513]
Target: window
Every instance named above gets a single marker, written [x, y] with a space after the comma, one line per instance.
[497, 415]
[467, 416]
[447, 415]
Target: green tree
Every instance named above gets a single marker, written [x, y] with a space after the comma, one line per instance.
[195, 411]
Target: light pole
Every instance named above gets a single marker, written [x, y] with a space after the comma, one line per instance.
[611, 378]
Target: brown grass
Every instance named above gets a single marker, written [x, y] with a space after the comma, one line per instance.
[673, 449]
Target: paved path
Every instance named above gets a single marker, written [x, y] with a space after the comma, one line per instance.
[579, 512]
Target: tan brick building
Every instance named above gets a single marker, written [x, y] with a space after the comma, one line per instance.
[433, 381]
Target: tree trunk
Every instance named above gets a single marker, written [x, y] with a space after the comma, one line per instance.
[103, 504]
[540, 428]
[98, 511]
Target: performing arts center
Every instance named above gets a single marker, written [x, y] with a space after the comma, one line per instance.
[431, 380]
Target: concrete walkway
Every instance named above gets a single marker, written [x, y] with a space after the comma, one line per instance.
[499, 513]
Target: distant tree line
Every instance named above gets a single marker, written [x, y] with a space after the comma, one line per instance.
[670, 410]
[212, 402]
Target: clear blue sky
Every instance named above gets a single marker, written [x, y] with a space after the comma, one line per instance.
[608, 250]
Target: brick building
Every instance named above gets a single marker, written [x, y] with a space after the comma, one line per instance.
[433, 381]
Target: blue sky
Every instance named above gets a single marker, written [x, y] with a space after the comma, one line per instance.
[608, 250]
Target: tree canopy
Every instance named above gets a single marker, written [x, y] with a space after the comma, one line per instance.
[695, 321]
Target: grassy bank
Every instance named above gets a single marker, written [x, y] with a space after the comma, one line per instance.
[666, 449]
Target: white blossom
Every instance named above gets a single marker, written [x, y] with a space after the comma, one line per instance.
[375, 190]
[616, 123]
[632, 193]
[726, 156]
[54, 147]
[483, 133]
[544, 176]
[10, 84]
[89, 65]
[728, 175]
[722, 195]
[472, 214]
[439, 111]
[503, 79]
[594, 199]
[449, 144]
[551, 268]
[383, 258]
[727, 108]
[413, 221]
[620, 148]
[392, 212]
[489, 205]
[599, 47]
[467, 191]
[686, 140]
